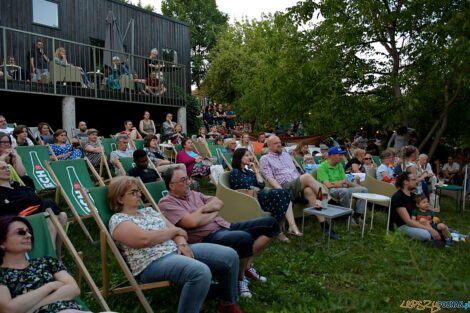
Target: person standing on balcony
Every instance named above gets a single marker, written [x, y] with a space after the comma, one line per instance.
[38, 60]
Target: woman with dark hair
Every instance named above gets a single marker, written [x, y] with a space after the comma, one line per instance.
[37, 285]
[45, 135]
[20, 137]
[11, 157]
[300, 150]
[190, 157]
[155, 155]
[146, 125]
[178, 136]
[130, 131]
[63, 150]
[246, 176]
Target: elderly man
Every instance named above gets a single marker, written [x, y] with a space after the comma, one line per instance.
[168, 126]
[123, 151]
[198, 214]
[451, 170]
[331, 174]
[279, 169]
[4, 126]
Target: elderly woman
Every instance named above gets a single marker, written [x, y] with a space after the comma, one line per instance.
[32, 285]
[93, 147]
[45, 135]
[426, 168]
[147, 126]
[246, 175]
[20, 137]
[153, 152]
[410, 164]
[60, 58]
[368, 162]
[245, 143]
[156, 250]
[63, 150]
[355, 164]
[230, 145]
[190, 157]
[11, 157]
[178, 136]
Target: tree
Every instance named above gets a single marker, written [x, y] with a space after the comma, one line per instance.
[206, 23]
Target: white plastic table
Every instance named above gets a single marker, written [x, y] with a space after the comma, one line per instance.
[373, 198]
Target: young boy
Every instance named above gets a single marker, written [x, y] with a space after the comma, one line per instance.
[423, 214]
[309, 163]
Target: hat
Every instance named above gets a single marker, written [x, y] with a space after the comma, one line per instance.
[335, 150]
[323, 147]
[91, 131]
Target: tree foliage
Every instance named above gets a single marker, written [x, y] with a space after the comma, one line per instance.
[206, 23]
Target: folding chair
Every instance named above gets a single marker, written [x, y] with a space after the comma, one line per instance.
[177, 148]
[102, 214]
[34, 158]
[138, 144]
[376, 160]
[43, 246]
[210, 141]
[227, 157]
[202, 148]
[298, 161]
[108, 145]
[156, 190]
[70, 176]
[317, 159]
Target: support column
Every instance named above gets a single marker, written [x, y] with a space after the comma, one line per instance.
[68, 114]
[182, 119]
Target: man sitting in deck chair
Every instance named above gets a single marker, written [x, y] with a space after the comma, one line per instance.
[198, 215]
[121, 152]
[141, 168]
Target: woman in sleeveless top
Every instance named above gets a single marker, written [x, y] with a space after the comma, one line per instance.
[147, 126]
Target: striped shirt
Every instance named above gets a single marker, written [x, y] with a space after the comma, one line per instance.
[278, 166]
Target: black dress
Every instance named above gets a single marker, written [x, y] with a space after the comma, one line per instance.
[275, 201]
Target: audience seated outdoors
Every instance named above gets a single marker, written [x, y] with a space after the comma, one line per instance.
[151, 143]
[147, 126]
[23, 200]
[118, 69]
[4, 126]
[202, 133]
[300, 150]
[222, 129]
[141, 168]
[426, 167]
[190, 157]
[279, 170]
[32, 285]
[309, 164]
[385, 171]
[13, 71]
[168, 126]
[130, 131]
[355, 165]
[230, 146]
[93, 147]
[245, 143]
[60, 58]
[213, 132]
[410, 163]
[259, 144]
[218, 141]
[331, 174]
[19, 138]
[451, 171]
[123, 151]
[63, 150]
[11, 157]
[198, 215]
[45, 134]
[155, 83]
[246, 177]
[177, 136]
[323, 150]
[368, 163]
[82, 135]
[156, 250]
[38, 61]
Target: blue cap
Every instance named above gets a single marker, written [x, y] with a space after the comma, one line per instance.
[335, 150]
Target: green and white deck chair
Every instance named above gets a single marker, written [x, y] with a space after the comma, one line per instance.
[376, 160]
[154, 190]
[227, 157]
[108, 145]
[317, 159]
[70, 176]
[216, 150]
[34, 158]
[138, 144]
[11, 125]
[210, 141]
[43, 246]
[102, 213]
[202, 147]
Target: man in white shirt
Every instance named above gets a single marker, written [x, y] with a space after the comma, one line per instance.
[450, 170]
[4, 126]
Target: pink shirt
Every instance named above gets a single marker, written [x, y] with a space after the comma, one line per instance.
[176, 208]
[278, 166]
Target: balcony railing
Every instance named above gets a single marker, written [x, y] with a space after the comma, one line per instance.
[83, 72]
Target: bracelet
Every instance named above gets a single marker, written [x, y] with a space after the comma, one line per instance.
[181, 244]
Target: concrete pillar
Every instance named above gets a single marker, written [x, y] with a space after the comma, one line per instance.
[68, 114]
[182, 119]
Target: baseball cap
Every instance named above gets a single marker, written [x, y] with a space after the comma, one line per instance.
[323, 147]
[335, 150]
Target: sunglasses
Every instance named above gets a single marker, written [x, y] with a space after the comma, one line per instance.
[23, 232]
[367, 158]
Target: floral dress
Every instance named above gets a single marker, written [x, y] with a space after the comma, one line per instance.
[39, 272]
[59, 150]
[275, 201]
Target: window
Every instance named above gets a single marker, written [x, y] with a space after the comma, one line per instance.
[46, 12]
[170, 55]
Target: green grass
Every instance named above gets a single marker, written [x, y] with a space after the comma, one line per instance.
[376, 274]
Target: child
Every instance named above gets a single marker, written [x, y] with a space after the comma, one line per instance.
[309, 164]
[423, 214]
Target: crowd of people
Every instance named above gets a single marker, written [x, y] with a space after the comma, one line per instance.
[190, 243]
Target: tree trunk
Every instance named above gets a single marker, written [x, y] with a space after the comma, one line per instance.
[430, 133]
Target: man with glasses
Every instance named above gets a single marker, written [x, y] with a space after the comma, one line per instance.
[123, 151]
[4, 126]
[198, 214]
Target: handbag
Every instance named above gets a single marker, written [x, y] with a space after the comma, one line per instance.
[206, 161]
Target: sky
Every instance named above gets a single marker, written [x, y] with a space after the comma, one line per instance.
[237, 9]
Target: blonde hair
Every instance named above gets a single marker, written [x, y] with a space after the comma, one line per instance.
[228, 142]
[308, 157]
[117, 188]
[57, 51]
[359, 151]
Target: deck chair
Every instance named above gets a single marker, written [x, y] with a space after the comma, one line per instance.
[70, 176]
[466, 185]
[299, 161]
[102, 214]
[177, 148]
[210, 141]
[216, 150]
[376, 160]
[127, 164]
[108, 145]
[227, 157]
[34, 158]
[202, 148]
[317, 159]
[43, 246]
[138, 144]
[156, 190]
[11, 125]
[237, 205]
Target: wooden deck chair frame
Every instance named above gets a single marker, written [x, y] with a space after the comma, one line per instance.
[53, 156]
[297, 164]
[202, 147]
[77, 259]
[107, 241]
[229, 166]
[60, 189]
[465, 186]
[104, 161]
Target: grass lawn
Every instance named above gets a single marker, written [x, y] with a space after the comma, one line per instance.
[376, 274]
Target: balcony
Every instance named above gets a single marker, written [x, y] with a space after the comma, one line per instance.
[86, 71]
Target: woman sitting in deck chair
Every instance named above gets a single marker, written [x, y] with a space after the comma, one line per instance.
[37, 285]
[63, 150]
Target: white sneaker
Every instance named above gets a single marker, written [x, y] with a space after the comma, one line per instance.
[252, 274]
[243, 289]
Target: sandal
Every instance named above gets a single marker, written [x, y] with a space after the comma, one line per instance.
[283, 238]
[295, 233]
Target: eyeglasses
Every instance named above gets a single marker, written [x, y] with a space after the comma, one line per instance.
[3, 121]
[4, 168]
[3, 142]
[367, 158]
[22, 232]
[182, 180]
[135, 192]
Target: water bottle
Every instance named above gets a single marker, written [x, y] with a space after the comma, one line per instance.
[324, 199]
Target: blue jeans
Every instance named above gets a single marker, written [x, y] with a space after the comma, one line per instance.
[415, 233]
[40, 72]
[195, 274]
[241, 236]
[345, 194]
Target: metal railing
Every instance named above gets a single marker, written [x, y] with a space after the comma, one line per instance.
[75, 69]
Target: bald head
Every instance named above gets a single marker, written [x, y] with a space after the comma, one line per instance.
[274, 144]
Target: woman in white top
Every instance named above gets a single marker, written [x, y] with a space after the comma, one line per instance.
[156, 250]
[410, 164]
[20, 137]
[245, 143]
